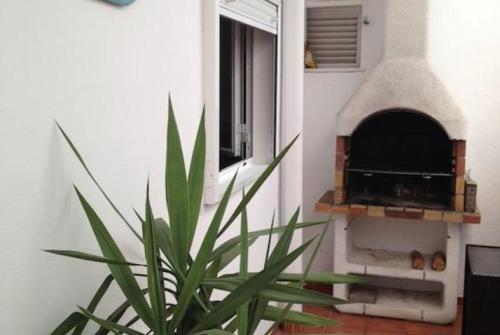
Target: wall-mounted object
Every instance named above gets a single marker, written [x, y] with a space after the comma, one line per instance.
[119, 2]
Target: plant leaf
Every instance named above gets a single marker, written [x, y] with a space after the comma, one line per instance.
[279, 251]
[321, 278]
[116, 315]
[155, 278]
[196, 177]
[122, 274]
[176, 187]
[278, 292]
[247, 290]
[232, 242]
[257, 184]
[90, 257]
[80, 159]
[214, 332]
[273, 313]
[197, 270]
[269, 240]
[69, 323]
[109, 325]
[243, 310]
[103, 288]
[304, 275]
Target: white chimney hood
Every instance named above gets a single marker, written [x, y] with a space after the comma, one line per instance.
[404, 79]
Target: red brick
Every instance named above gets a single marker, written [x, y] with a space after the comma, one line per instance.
[460, 166]
[339, 162]
[341, 209]
[358, 210]
[414, 213]
[340, 145]
[459, 148]
[324, 205]
[472, 218]
[395, 212]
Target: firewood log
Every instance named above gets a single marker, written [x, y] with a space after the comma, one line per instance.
[417, 260]
[438, 261]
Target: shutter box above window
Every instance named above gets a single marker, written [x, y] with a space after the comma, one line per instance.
[260, 14]
[334, 35]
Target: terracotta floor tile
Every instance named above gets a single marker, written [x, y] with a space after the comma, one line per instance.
[421, 328]
[313, 330]
[349, 320]
[381, 332]
[386, 325]
[351, 324]
[318, 310]
[339, 330]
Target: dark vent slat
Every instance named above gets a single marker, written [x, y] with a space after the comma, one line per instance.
[320, 47]
[335, 53]
[329, 35]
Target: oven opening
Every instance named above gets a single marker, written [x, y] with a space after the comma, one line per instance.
[400, 158]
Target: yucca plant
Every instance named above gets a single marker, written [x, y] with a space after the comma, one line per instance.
[177, 297]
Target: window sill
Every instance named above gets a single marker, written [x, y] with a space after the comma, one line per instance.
[248, 172]
[335, 70]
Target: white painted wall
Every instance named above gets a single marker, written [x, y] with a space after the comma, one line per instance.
[462, 48]
[104, 73]
[292, 119]
[325, 93]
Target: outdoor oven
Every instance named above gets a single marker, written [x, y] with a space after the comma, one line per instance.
[400, 182]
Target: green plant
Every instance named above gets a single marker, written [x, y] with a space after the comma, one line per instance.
[178, 296]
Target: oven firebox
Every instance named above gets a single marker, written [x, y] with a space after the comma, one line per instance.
[400, 158]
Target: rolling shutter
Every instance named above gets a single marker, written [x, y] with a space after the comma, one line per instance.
[261, 14]
[334, 35]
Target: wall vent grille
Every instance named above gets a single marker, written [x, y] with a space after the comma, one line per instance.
[334, 35]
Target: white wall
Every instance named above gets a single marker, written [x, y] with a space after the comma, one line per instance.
[463, 50]
[104, 73]
[324, 96]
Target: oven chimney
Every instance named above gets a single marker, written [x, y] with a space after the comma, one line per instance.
[404, 79]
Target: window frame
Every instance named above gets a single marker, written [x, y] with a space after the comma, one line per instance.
[249, 169]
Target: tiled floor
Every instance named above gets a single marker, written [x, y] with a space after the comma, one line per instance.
[367, 325]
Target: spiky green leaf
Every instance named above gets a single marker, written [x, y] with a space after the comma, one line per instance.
[247, 290]
[176, 189]
[257, 184]
[197, 270]
[121, 273]
[155, 278]
[196, 177]
[90, 257]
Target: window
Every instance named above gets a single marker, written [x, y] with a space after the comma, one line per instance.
[247, 94]
[334, 35]
[236, 50]
[241, 67]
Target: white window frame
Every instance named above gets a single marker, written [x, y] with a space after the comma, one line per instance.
[248, 170]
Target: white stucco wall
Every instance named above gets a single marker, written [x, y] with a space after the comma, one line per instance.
[464, 51]
[462, 48]
[104, 73]
[324, 96]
